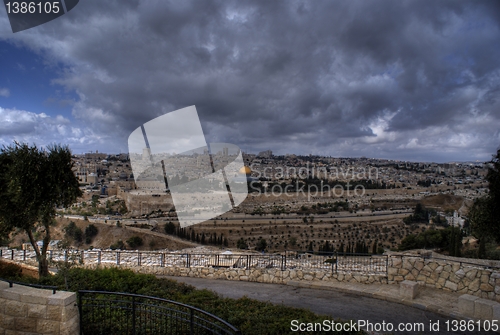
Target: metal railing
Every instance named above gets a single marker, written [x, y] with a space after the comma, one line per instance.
[107, 313]
[330, 261]
[337, 262]
[45, 287]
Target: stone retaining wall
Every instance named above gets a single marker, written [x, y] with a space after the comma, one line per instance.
[446, 274]
[260, 275]
[480, 279]
[29, 311]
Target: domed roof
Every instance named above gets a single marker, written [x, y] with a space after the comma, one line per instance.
[245, 170]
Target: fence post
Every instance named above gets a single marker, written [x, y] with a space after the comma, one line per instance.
[138, 259]
[1, 253]
[12, 254]
[117, 258]
[387, 264]
[99, 257]
[248, 265]
[162, 260]
[51, 254]
[65, 255]
[24, 254]
[191, 322]
[83, 256]
[133, 315]
[80, 311]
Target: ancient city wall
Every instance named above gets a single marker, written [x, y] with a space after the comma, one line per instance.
[25, 310]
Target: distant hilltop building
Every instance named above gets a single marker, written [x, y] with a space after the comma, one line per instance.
[96, 155]
[455, 220]
[266, 154]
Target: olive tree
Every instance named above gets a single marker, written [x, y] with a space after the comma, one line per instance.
[33, 183]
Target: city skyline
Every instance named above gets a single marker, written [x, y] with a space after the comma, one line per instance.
[408, 81]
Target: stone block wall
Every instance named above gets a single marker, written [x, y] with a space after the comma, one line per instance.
[260, 275]
[445, 274]
[29, 311]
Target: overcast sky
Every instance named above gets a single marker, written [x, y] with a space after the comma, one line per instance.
[408, 80]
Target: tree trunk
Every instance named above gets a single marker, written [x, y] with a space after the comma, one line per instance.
[43, 267]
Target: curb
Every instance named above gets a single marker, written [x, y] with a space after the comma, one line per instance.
[380, 296]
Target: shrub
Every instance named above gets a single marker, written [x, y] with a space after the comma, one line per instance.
[248, 315]
[118, 245]
[241, 244]
[170, 228]
[9, 270]
[135, 241]
[73, 232]
[261, 245]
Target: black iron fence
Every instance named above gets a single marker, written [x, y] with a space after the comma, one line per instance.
[329, 261]
[45, 287]
[337, 262]
[108, 313]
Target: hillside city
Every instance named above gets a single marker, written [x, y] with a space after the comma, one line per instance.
[295, 202]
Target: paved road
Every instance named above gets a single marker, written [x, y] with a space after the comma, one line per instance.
[329, 302]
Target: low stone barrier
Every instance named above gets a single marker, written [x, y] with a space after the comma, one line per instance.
[465, 276]
[475, 307]
[260, 275]
[445, 274]
[26, 310]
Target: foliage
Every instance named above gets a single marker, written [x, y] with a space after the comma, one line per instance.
[72, 231]
[33, 183]
[10, 270]
[449, 239]
[248, 315]
[90, 232]
[118, 245]
[241, 244]
[261, 245]
[169, 228]
[420, 215]
[484, 215]
[135, 241]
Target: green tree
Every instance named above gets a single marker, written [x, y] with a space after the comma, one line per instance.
[480, 218]
[90, 232]
[118, 245]
[73, 232]
[261, 245]
[484, 215]
[170, 228]
[33, 183]
[135, 241]
[241, 244]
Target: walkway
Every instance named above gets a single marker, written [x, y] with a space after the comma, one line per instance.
[374, 303]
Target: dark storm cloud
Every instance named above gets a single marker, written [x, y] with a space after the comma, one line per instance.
[375, 78]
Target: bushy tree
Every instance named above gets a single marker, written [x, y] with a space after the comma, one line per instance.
[73, 232]
[484, 215]
[135, 241]
[90, 232]
[118, 245]
[241, 244]
[170, 228]
[33, 183]
[261, 245]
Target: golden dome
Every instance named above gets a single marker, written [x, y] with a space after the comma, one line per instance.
[245, 170]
